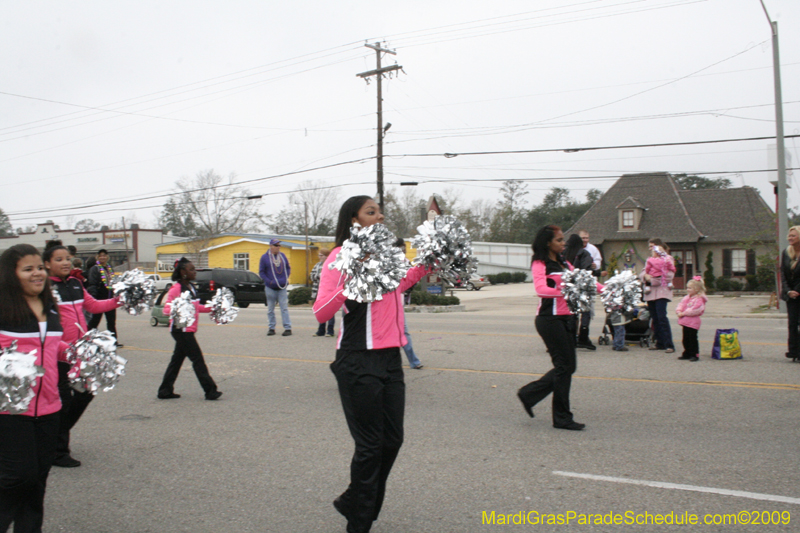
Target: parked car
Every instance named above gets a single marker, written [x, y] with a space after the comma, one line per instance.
[475, 283]
[162, 284]
[247, 287]
[157, 316]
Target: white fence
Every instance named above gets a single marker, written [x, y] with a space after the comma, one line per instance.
[496, 257]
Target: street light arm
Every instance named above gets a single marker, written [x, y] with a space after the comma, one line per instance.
[771, 24]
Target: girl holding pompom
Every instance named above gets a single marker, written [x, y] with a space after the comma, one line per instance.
[369, 373]
[73, 299]
[185, 343]
[689, 311]
[28, 315]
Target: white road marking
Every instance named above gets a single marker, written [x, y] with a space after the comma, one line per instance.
[678, 486]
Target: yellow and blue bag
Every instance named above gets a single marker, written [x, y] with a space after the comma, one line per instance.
[726, 345]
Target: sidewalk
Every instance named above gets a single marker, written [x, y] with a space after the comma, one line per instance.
[516, 294]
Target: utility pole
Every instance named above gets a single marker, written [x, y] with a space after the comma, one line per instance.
[782, 214]
[305, 216]
[378, 73]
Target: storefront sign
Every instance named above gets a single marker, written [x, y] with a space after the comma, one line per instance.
[87, 239]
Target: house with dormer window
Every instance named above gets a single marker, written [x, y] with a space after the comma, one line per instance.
[735, 225]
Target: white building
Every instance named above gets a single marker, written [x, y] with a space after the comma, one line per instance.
[134, 245]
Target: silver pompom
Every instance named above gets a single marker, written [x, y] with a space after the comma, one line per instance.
[445, 246]
[222, 309]
[18, 373]
[622, 293]
[96, 365]
[135, 290]
[182, 311]
[371, 262]
[579, 288]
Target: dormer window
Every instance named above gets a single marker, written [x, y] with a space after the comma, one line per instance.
[627, 219]
[629, 214]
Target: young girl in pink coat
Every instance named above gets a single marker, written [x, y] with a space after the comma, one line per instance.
[689, 311]
[657, 266]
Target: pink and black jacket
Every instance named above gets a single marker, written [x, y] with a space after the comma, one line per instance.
[74, 298]
[547, 283]
[48, 351]
[176, 291]
[366, 326]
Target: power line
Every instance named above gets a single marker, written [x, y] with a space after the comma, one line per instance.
[591, 148]
[237, 184]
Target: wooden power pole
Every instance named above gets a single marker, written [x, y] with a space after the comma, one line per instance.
[378, 73]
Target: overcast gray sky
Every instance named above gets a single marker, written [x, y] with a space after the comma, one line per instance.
[104, 100]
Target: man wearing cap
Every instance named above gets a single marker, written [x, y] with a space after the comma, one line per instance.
[274, 269]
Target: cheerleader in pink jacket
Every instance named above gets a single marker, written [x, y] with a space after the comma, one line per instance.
[185, 343]
[689, 311]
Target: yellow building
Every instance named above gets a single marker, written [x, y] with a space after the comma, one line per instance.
[243, 251]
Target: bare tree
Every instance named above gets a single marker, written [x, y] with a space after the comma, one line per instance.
[322, 202]
[217, 205]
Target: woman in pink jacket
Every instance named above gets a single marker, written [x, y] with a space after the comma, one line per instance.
[369, 373]
[72, 300]
[557, 325]
[28, 315]
[689, 311]
[185, 343]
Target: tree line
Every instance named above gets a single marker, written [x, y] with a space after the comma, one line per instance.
[210, 204]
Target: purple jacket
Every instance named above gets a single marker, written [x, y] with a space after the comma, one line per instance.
[275, 277]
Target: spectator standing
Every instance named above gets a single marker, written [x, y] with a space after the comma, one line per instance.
[408, 348]
[100, 279]
[579, 257]
[790, 290]
[597, 257]
[274, 269]
[657, 299]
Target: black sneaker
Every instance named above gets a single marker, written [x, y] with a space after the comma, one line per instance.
[168, 396]
[66, 461]
[214, 395]
[573, 426]
[271, 332]
[586, 345]
[286, 333]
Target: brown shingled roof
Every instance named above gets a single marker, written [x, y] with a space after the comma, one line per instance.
[730, 215]
[665, 216]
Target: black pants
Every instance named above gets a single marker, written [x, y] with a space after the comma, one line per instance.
[186, 346]
[111, 322]
[793, 310]
[558, 334]
[27, 450]
[583, 331]
[373, 397]
[691, 346]
[73, 404]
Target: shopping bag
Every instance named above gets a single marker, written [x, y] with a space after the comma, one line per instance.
[726, 344]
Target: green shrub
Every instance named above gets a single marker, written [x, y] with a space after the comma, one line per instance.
[722, 284]
[519, 277]
[299, 296]
[492, 278]
[765, 272]
[735, 285]
[504, 277]
[708, 275]
[425, 298]
[752, 282]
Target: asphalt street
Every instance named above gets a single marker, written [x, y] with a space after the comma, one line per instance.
[718, 437]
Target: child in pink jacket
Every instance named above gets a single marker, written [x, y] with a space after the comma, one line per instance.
[689, 311]
[657, 266]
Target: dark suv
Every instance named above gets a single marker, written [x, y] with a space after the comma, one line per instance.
[247, 286]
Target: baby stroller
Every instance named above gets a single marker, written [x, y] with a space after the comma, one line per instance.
[637, 331]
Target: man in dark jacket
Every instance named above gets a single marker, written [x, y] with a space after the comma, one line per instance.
[274, 269]
[99, 283]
